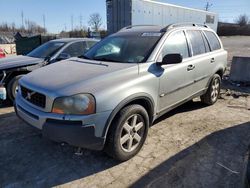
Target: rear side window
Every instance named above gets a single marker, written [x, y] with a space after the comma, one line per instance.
[91, 43]
[206, 43]
[176, 43]
[213, 40]
[197, 42]
[75, 49]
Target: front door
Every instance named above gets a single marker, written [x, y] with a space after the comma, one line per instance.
[176, 80]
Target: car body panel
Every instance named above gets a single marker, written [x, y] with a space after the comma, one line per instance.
[18, 61]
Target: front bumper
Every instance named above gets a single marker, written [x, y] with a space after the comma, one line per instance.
[81, 131]
[3, 93]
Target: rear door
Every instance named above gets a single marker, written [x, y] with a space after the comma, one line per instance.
[176, 81]
[217, 55]
[201, 59]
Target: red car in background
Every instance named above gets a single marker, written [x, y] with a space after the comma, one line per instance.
[2, 54]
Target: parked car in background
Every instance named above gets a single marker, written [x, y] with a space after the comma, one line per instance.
[109, 98]
[13, 68]
[2, 54]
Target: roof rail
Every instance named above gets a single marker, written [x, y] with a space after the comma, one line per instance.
[132, 26]
[171, 26]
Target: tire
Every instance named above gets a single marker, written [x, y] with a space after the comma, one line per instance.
[122, 141]
[213, 92]
[11, 88]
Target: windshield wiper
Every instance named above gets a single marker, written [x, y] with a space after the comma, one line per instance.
[83, 57]
[105, 59]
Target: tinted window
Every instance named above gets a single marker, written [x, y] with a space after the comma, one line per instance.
[91, 43]
[197, 42]
[213, 40]
[75, 49]
[46, 50]
[176, 43]
[206, 43]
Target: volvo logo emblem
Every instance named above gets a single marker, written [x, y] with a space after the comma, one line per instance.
[29, 95]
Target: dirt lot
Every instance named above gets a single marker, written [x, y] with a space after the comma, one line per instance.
[192, 146]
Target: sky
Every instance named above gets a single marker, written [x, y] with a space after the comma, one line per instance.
[59, 13]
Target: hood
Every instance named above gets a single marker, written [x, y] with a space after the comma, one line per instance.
[70, 74]
[18, 61]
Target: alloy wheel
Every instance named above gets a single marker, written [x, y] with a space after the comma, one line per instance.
[132, 133]
[215, 89]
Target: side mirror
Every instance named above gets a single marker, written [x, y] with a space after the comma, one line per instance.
[63, 56]
[171, 59]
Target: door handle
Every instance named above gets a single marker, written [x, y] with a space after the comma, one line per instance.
[190, 67]
[212, 60]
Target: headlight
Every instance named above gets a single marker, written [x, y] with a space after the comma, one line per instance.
[81, 104]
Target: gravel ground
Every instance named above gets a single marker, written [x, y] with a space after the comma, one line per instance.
[192, 146]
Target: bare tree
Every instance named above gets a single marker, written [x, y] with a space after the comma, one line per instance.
[242, 20]
[208, 6]
[95, 21]
[32, 27]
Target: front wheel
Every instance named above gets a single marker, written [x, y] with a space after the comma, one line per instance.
[12, 87]
[213, 92]
[127, 133]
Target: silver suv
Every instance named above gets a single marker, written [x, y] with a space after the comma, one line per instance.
[109, 98]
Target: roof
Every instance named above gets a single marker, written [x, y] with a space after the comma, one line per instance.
[141, 28]
[6, 38]
[177, 6]
[67, 40]
[156, 28]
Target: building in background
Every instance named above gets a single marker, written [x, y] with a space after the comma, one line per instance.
[122, 13]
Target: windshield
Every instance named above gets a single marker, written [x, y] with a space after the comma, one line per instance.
[46, 50]
[128, 49]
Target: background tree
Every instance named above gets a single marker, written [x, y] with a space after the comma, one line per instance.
[242, 20]
[208, 6]
[95, 21]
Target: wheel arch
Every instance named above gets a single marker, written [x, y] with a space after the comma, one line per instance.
[142, 99]
[220, 72]
[13, 74]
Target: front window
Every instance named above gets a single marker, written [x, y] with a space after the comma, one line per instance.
[124, 48]
[176, 43]
[46, 50]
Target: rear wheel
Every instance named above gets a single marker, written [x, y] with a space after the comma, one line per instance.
[213, 92]
[12, 87]
[127, 133]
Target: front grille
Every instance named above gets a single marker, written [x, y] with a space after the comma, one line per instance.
[33, 97]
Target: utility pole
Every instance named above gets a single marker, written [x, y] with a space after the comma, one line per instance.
[80, 22]
[208, 6]
[72, 22]
[44, 24]
[22, 19]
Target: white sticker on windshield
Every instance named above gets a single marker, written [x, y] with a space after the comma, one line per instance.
[151, 34]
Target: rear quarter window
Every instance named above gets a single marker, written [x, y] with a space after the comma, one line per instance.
[213, 40]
